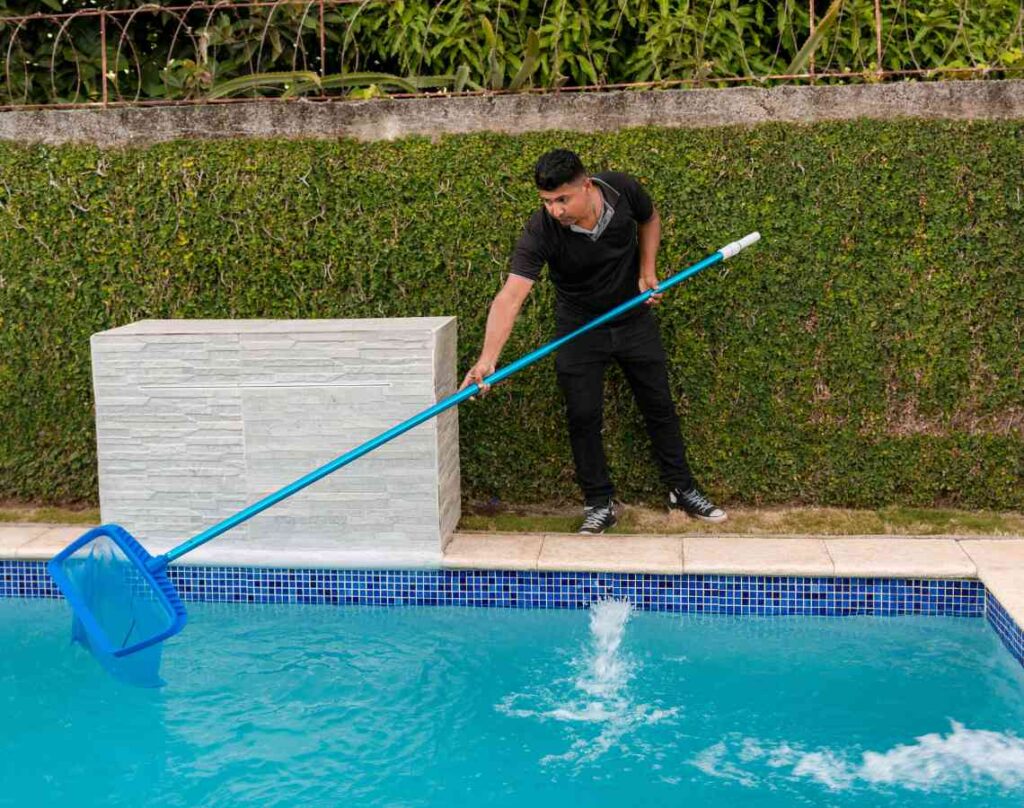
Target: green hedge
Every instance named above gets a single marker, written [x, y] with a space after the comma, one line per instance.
[868, 351]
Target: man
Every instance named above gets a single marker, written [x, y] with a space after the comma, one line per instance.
[599, 236]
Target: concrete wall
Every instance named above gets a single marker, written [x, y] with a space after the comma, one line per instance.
[394, 118]
[196, 419]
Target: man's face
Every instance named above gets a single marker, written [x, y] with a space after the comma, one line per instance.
[568, 203]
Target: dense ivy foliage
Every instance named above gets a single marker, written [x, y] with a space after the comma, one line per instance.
[868, 351]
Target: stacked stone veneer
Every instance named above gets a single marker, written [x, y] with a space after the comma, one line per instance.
[196, 419]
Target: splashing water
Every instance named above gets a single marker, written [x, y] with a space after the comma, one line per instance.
[600, 695]
[933, 762]
[607, 672]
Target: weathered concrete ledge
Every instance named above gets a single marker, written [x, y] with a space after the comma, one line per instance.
[387, 119]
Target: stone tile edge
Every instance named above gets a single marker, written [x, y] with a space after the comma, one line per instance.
[285, 558]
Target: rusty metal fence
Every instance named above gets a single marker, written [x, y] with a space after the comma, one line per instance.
[272, 49]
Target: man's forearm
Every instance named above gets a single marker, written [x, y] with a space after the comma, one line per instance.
[500, 320]
[650, 240]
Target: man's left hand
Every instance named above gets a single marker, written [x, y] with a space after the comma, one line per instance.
[650, 282]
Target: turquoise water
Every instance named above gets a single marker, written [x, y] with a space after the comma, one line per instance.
[295, 705]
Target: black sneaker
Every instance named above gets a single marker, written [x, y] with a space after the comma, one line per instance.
[597, 519]
[695, 504]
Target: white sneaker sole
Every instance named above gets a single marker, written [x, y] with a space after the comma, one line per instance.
[713, 519]
[600, 532]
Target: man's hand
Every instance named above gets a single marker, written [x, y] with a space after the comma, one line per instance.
[476, 375]
[650, 282]
[650, 238]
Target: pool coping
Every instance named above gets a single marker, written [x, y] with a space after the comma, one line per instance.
[998, 562]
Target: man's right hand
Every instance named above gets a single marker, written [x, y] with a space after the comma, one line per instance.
[476, 375]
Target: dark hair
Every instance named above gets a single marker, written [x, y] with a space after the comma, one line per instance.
[557, 167]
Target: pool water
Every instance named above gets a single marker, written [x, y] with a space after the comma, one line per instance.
[406, 706]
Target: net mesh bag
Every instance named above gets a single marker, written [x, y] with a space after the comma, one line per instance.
[123, 605]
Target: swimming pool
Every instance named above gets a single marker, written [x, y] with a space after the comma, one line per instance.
[295, 704]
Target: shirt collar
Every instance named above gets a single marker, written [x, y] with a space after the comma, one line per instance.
[607, 211]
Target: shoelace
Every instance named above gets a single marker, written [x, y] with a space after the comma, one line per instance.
[594, 518]
[697, 500]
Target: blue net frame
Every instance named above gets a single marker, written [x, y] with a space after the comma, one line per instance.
[123, 604]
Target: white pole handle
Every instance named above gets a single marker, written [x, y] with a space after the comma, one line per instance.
[729, 250]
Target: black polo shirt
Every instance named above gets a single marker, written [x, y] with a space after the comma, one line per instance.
[590, 276]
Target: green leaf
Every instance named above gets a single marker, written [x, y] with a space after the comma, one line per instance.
[495, 71]
[804, 54]
[530, 62]
[492, 40]
[260, 80]
[338, 81]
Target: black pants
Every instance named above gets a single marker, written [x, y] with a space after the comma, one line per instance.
[636, 346]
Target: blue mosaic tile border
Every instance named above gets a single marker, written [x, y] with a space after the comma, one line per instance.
[715, 594]
[26, 579]
[1004, 626]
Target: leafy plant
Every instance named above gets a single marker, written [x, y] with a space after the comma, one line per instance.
[175, 52]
